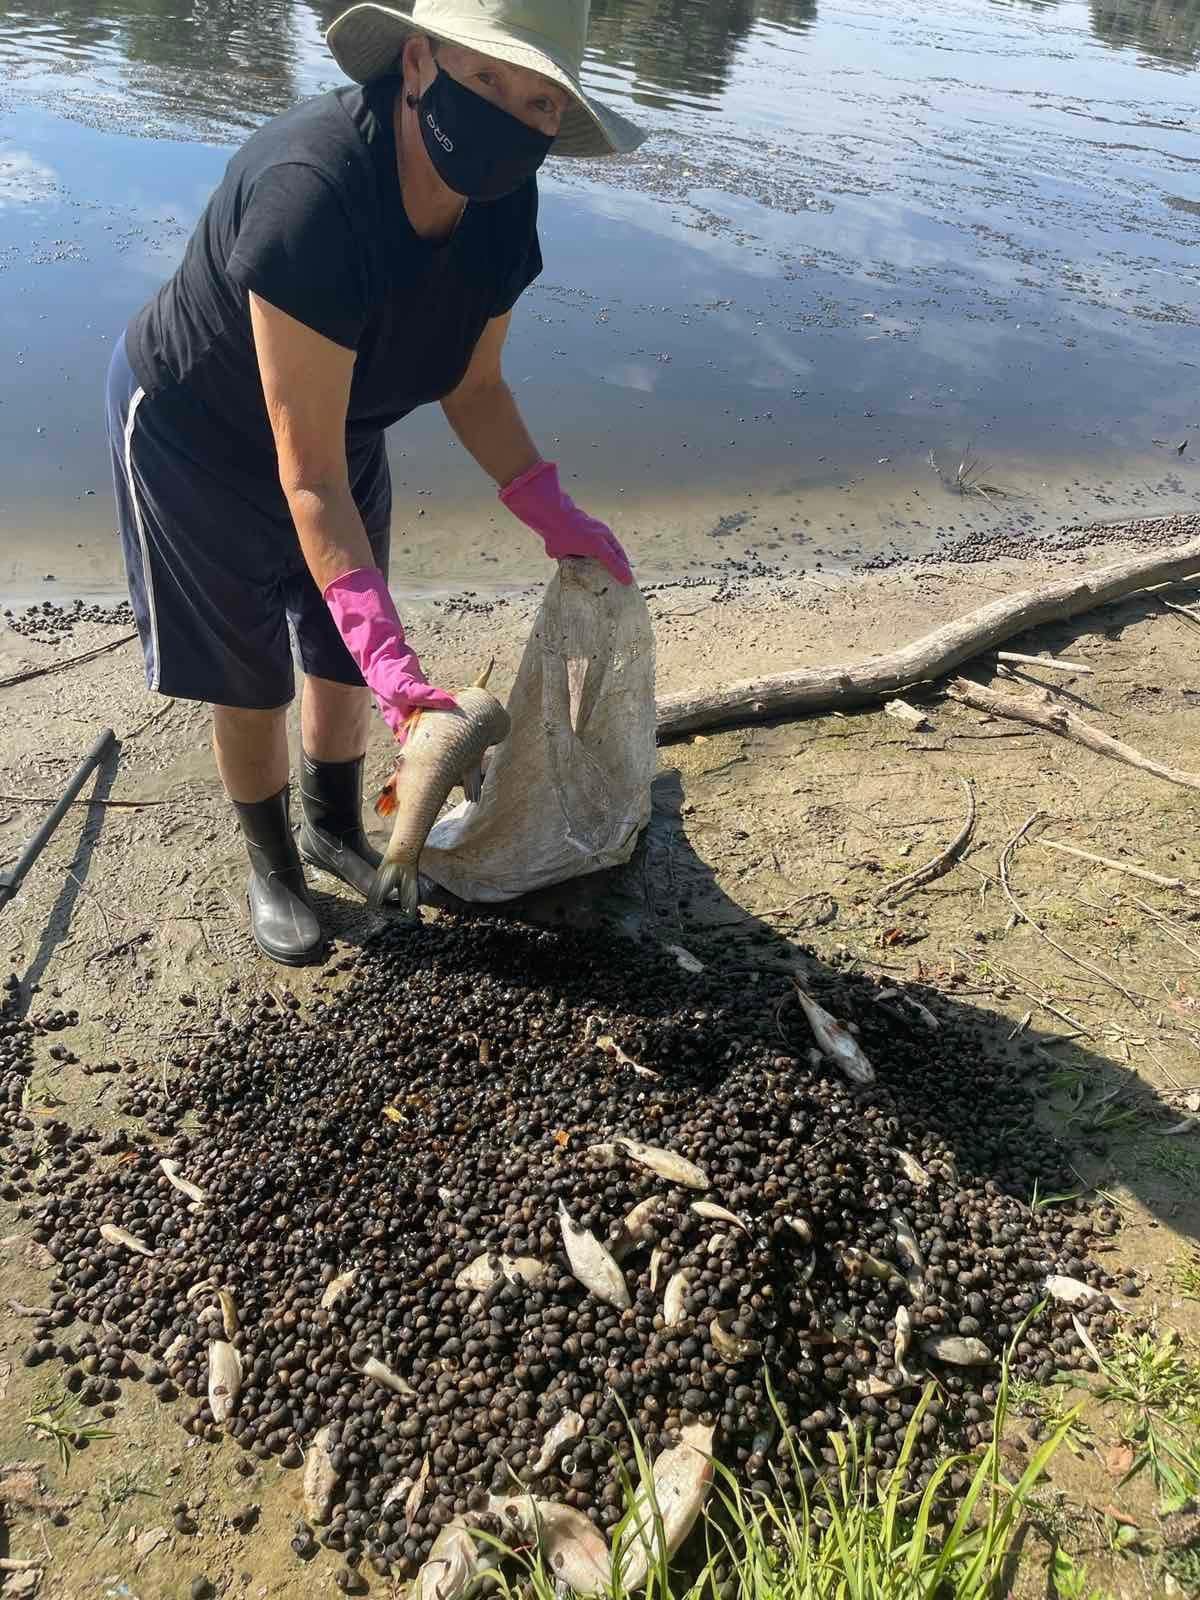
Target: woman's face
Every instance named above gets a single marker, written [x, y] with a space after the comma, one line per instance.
[536, 101]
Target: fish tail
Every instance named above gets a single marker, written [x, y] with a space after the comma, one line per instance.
[395, 883]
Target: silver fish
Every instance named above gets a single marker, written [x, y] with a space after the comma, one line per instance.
[906, 1239]
[372, 1368]
[635, 1228]
[412, 1501]
[1070, 1291]
[224, 1380]
[903, 1340]
[607, 1154]
[656, 1261]
[337, 1287]
[912, 1169]
[574, 1551]
[956, 1351]
[659, 1522]
[564, 1432]
[111, 1234]
[873, 1388]
[443, 748]
[591, 1263]
[610, 1047]
[455, 1564]
[673, 1297]
[170, 1171]
[321, 1478]
[173, 1349]
[675, 1168]
[716, 1213]
[730, 1346]
[489, 1269]
[861, 1263]
[836, 1041]
[800, 1228]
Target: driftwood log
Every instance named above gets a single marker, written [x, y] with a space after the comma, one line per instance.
[1046, 713]
[814, 689]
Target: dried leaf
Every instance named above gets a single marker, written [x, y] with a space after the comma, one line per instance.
[562, 1138]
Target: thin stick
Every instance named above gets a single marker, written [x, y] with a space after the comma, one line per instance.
[113, 805]
[1038, 999]
[1057, 719]
[1182, 611]
[1119, 866]
[70, 661]
[1167, 927]
[1052, 662]
[940, 864]
[1023, 915]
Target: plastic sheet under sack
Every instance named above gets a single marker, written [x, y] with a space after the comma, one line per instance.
[569, 790]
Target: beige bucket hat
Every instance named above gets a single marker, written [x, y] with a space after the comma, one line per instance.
[545, 35]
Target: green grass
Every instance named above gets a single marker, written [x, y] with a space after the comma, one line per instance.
[1070, 1581]
[1174, 1160]
[1185, 1275]
[117, 1488]
[854, 1536]
[57, 1415]
[1049, 1403]
[1156, 1386]
[1184, 1567]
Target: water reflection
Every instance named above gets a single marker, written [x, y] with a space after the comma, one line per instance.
[1168, 30]
[687, 48]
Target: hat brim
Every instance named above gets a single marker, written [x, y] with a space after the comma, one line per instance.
[366, 42]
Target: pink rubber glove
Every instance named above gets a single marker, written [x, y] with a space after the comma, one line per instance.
[537, 498]
[368, 622]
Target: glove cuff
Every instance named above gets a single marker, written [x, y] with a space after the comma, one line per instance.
[532, 475]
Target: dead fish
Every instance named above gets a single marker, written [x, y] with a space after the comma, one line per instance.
[861, 1263]
[337, 1288]
[665, 1163]
[111, 1234]
[229, 1316]
[656, 1261]
[800, 1228]
[635, 1228]
[717, 1243]
[591, 1263]
[564, 1432]
[488, 1270]
[173, 1349]
[321, 1477]
[685, 958]
[873, 1388]
[170, 1171]
[443, 748]
[957, 1352]
[455, 1564]
[207, 1287]
[610, 1047]
[912, 1169]
[681, 1479]
[903, 1340]
[716, 1213]
[224, 1380]
[608, 1155]
[906, 1239]
[412, 1502]
[673, 1297]
[730, 1346]
[371, 1368]
[1070, 1291]
[574, 1551]
[836, 1041]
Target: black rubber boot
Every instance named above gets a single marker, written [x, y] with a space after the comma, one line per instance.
[331, 835]
[283, 922]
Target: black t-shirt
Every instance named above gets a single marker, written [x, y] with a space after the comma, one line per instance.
[309, 216]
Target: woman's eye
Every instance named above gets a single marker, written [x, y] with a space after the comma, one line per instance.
[486, 77]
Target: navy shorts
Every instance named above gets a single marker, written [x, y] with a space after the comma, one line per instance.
[214, 565]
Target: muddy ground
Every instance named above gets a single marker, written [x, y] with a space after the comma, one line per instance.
[762, 839]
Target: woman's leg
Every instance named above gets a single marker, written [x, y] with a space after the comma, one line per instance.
[333, 720]
[251, 751]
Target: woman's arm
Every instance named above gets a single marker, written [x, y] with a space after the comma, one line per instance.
[484, 414]
[306, 384]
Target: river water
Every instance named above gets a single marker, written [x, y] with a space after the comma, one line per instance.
[882, 277]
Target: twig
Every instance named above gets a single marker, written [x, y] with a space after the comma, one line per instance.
[1023, 915]
[113, 805]
[1120, 866]
[1054, 664]
[20, 1563]
[1038, 999]
[940, 864]
[1182, 611]
[1165, 924]
[70, 661]
[1057, 719]
[116, 949]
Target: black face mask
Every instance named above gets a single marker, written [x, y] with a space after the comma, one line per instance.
[477, 149]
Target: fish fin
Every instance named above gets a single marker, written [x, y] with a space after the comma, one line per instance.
[396, 885]
[385, 801]
[472, 782]
[481, 682]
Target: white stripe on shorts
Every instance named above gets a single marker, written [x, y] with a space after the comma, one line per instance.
[147, 575]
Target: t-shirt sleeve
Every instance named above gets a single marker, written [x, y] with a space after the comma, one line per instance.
[296, 248]
[525, 258]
